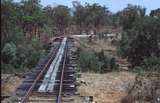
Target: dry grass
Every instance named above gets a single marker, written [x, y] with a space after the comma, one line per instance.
[10, 84]
[106, 88]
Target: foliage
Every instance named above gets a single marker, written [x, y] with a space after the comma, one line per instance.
[79, 13]
[89, 60]
[18, 21]
[152, 63]
[97, 62]
[123, 45]
[48, 30]
[96, 16]
[22, 56]
[17, 36]
[130, 14]
[145, 40]
[61, 17]
[90, 16]
[140, 37]
[7, 68]
[9, 17]
[108, 62]
[8, 52]
[97, 13]
[26, 24]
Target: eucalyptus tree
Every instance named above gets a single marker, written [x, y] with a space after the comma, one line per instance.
[95, 16]
[49, 25]
[129, 14]
[61, 17]
[9, 20]
[48, 10]
[79, 14]
[32, 17]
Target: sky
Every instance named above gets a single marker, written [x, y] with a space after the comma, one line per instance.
[113, 5]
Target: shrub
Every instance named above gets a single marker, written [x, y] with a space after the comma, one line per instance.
[123, 45]
[17, 36]
[21, 57]
[8, 52]
[153, 60]
[89, 61]
[152, 63]
[113, 64]
[7, 68]
[37, 44]
[27, 56]
[141, 40]
[138, 70]
[97, 62]
[107, 62]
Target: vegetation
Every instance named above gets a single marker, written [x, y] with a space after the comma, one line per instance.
[61, 17]
[27, 27]
[20, 35]
[20, 57]
[90, 17]
[96, 62]
[140, 38]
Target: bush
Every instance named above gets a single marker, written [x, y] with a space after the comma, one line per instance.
[152, 63]
[7, 68]
[23, 53]
[37, 44]
[97, 62]
[141, 40]
[122, 48]
[89, 61]
[8, 52]
[18, 58]
[17, 36]
[138, 70]
[107, 62]
[33, 58]
[28, 56]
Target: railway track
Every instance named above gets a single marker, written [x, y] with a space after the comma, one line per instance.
[53, 80]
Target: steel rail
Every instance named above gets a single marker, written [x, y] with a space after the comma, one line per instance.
[59, 99]
[50, 76]
[25, 98]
